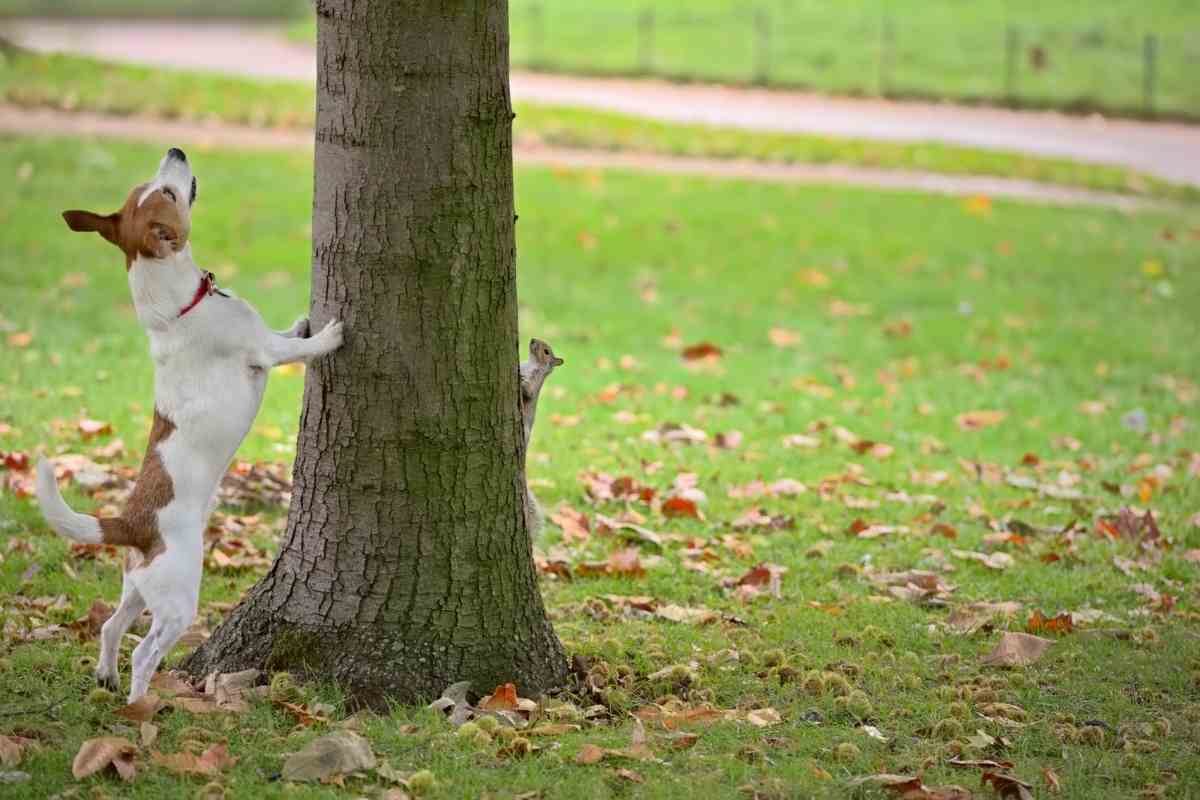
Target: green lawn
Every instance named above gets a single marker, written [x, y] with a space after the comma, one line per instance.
[892, 314]
[1066, 55]
[79, 83]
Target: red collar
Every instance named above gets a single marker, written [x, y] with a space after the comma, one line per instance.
[208, 285]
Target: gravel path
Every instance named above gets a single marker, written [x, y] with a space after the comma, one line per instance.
[47, 122]
[1167, 150]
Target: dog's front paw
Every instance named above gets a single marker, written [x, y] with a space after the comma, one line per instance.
[112, 681]
[331, 336]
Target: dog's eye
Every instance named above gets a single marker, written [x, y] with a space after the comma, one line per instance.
[169, 193]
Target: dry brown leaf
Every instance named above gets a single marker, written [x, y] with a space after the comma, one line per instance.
[975, 420]
[703, 351]
[94, 427]
[1051, 779]
[1039, 623]
[1007, 786]
[96, 754]
[1017, 650]
[213, 761]
[142, 709]
[329, 756]
[504, 698]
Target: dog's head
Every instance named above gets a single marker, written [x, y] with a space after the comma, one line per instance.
[156, 218]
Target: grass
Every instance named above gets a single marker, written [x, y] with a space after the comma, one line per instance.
[74, 82]
[903, 311]
[198, 9]
[1065, 56]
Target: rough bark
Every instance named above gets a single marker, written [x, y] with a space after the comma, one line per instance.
[406, 564]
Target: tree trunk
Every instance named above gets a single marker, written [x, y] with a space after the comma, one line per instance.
[406, 565]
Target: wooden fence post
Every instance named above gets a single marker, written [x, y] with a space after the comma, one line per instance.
[1149, 70]
[887, 45]
[762, 46]
[645, 40]
[1012, 61]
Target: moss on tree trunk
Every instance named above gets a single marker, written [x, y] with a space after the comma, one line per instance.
[406, 564]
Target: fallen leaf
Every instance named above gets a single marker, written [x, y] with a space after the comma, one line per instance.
[1007, 786]
[1017, 650]
[1051, 779]
[975, 420]
[680, 507]
[1039, 623]
[96, 754]
[504, 698]
[784, 337]
[334, 754]
[93, 427]
[701, 351]
[589, 754]
[141, 710]
[213, 761]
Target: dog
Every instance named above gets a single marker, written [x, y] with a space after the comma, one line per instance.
[211, 353]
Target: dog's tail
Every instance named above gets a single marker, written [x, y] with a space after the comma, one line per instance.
[80, 527]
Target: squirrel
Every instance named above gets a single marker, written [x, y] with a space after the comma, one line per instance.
[533, 374]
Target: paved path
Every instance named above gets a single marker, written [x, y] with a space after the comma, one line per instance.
[48, 122]
[1170, 151]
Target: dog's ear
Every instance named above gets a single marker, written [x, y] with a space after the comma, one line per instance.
[86, 221]
[160, 240]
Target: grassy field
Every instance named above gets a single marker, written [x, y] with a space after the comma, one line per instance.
[1065, 55]
[1057, 54]
[78, 83]
[855, 326]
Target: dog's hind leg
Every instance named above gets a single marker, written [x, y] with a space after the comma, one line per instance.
[164, 633]
[171, 588]
[108, 673]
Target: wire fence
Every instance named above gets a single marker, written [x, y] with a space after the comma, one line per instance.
[1104, 68]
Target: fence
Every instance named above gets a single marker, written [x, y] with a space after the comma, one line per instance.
[1102, 68]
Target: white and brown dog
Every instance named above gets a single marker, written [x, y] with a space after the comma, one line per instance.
[211, 355]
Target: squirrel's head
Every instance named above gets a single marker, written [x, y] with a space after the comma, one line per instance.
[543, 355]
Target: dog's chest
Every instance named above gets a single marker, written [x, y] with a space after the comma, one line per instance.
[205, 370]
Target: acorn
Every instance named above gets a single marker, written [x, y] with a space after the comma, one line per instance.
[986, 696]
[1067, 733]
[860, 704]
[846, 752]
[948, 729]
[210, 791]
[813, 684]
[283, 688]
[836, 684]
[773, 658]
[421, 781]
[100, 696]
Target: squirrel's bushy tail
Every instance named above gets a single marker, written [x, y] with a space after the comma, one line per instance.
[60, 517]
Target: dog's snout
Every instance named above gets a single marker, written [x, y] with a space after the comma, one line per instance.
[176, 154]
